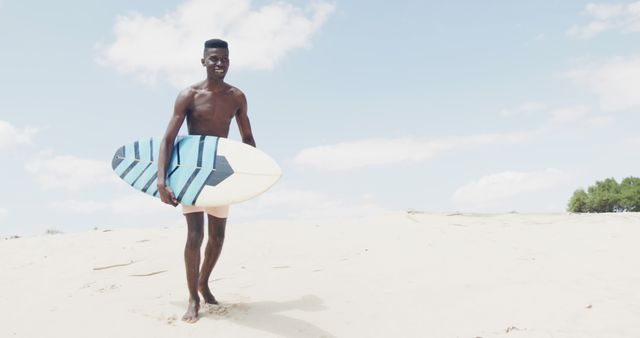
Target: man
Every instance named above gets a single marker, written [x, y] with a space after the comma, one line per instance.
[209, 106]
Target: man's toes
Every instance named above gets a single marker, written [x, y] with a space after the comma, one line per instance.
[190, 318]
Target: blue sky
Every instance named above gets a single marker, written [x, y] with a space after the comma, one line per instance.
[471, 106]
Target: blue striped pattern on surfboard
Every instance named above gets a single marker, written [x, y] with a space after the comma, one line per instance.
[136, 164]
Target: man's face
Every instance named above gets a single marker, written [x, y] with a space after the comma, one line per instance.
[216, 60]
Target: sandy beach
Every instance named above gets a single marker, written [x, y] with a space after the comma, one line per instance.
[397, 274]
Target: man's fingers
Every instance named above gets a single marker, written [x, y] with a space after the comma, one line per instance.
[167, 196]
[172, 197]
[174, 200]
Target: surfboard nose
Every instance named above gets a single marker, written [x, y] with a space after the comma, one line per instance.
[270, 166]
[118, 157]
[244, 158]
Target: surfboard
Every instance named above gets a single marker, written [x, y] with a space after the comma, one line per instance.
[203, 170]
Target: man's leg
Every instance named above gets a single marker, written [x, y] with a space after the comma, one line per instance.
[195, 224]
[212, 252]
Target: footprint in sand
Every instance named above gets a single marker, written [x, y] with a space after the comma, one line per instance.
[171, 320]
[280, 267]
[224, 309]
[108, 288]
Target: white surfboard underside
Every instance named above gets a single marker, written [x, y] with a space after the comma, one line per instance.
[253, 173]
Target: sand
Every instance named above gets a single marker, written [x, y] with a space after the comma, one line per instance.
[397, 274]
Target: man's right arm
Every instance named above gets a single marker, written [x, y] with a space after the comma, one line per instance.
[166, 146]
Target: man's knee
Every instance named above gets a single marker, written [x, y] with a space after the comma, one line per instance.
[194, 238]
[217, 236]
[217, 229]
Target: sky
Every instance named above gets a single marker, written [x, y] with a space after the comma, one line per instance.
[368, 106]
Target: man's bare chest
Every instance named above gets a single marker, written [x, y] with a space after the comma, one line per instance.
[213, 106]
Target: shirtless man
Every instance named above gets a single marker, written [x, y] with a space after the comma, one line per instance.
[209, 106]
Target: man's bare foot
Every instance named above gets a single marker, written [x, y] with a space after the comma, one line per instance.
[207, 295]
[191, 316]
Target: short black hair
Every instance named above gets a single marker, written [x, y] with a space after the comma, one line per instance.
[215, 43]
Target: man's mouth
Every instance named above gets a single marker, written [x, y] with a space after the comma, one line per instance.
[219, 71]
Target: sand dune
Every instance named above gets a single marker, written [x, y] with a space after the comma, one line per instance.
[391, 275]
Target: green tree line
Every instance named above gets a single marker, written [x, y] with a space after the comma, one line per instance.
[608, 196]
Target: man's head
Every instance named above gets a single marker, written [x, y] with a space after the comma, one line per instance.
[216, 58]
[215, 43]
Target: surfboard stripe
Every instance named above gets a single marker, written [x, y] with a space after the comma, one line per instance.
[196, 188]
[187, 165]
[148, 172]
[215, 153]
[196, 161]
[150, 181]
[151, 151]
[194, 174]
[126, 162]
[121, 165]
[198, 181]
[155, 178]
[177, 146]
[142, 163]
[172, 171]
[221, 173]
[140, 175]
[146, 175]
[117, 158]
[136, 149]
[188, 184]
[126, 172]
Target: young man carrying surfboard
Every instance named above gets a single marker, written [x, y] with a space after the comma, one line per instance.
[208, 106]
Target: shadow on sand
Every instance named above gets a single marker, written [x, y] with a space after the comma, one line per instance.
[265, 316]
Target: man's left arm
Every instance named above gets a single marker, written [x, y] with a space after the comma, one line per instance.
[243, 122]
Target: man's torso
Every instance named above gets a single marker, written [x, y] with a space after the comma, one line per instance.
[210, 113]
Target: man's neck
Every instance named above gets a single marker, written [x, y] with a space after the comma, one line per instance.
[215, 85]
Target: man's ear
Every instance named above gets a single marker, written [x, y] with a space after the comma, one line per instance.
[202, 62]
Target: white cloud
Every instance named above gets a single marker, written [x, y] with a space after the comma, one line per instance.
[171, 46]
[623, 17]
[590, 30]
[490, 190]
[276, 203]
[279, 203]
[526, 108]
[139, 203]
[633, 142]
[555, 115]
[131, 204]
[303, 203]
[614, 82]
[569, 114]
[599, 121]
[604, 11]
[70, 172]
[381, 151]
[78, 206]
[11, 135]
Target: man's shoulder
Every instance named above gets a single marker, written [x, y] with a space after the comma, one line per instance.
[190, 91]
[236, 92]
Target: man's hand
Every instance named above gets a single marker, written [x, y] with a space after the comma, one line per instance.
[166, 195]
